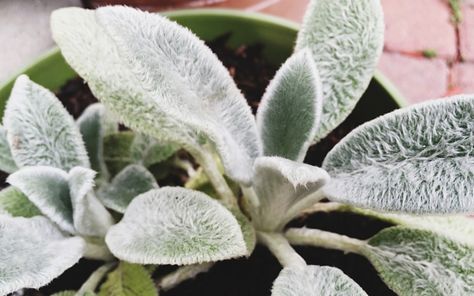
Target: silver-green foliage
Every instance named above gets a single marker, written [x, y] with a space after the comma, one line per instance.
[417, 160]
[176, 226]
[33, 252]
[315, 280]
[39, 129]
[419, 262]
[196, 99]
[128, 280]
[346, 39]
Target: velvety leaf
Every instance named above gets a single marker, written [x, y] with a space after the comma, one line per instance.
[284, 189]
[416, 160]
[174, 225]
[16, 204]
[47, 188]
[458, 228]
[315, 280]
[89, 215]
[247, 229]
[7, 164]
[346, 40]
[33, 252]
[128, 280]
[146, 150]
[39, 129]
[419, 262]
[91, 124]
[130, 182]
[290, 110]
[160, 79]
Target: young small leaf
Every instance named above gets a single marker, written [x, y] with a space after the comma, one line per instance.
[89, 215]
[419, 262]
[33, 252]
[39, 129]
[16, 204]
[248, 231]
[7, 164]
[416, 160]
[160, 79]
[346, 39]
[128, 280]
[47, 188]
[290, 109]
[91, 124]
[129, 183]
[284, 188]
[315, 280]
[117, 151]
[146, 150]
[176, 226]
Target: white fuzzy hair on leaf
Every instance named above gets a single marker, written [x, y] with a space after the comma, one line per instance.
[418, 160]
[422, 263]
[7, 163]
[315, 280]
[33, 252]
[39, 129]
[346, 39]
[160, 79]
[284, 189]
[290, 110]
[176, 226]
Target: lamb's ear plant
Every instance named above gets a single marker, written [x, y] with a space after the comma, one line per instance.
[171, 90]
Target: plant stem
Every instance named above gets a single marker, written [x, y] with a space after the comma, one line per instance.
[90, 285]
[325, 239]
[281, 249]
[184, 165]
[208, 163]
[303, 204]
[325, 207]
[182, 274]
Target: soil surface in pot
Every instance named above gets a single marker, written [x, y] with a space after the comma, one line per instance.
[254, 276]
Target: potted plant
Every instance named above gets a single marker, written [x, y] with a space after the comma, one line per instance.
[416, 160]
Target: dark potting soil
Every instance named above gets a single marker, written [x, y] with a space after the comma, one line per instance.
[254, 276]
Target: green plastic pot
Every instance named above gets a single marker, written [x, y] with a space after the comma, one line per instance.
[277, 35]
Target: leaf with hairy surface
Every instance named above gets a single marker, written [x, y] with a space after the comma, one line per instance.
[417, 160]
[160, 79]
[315, 280]
[7, 164]
[33, 252]
[16, 204]
[290, 110]
[128, 280]
[39, 129]
[416, 262]
[346, 40]
[177, 226]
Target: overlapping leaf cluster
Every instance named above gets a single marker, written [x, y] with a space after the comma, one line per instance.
[172, 92]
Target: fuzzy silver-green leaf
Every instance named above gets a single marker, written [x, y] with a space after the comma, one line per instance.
[290, 110]
[128, 280]
[33, 252]
[7, 164]
[39, 129]
[161, 80]
[346, 39]
[177, 226]
[16, 204]
[129, 183]
[315, 280]
[422, 263]
[418, 159]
